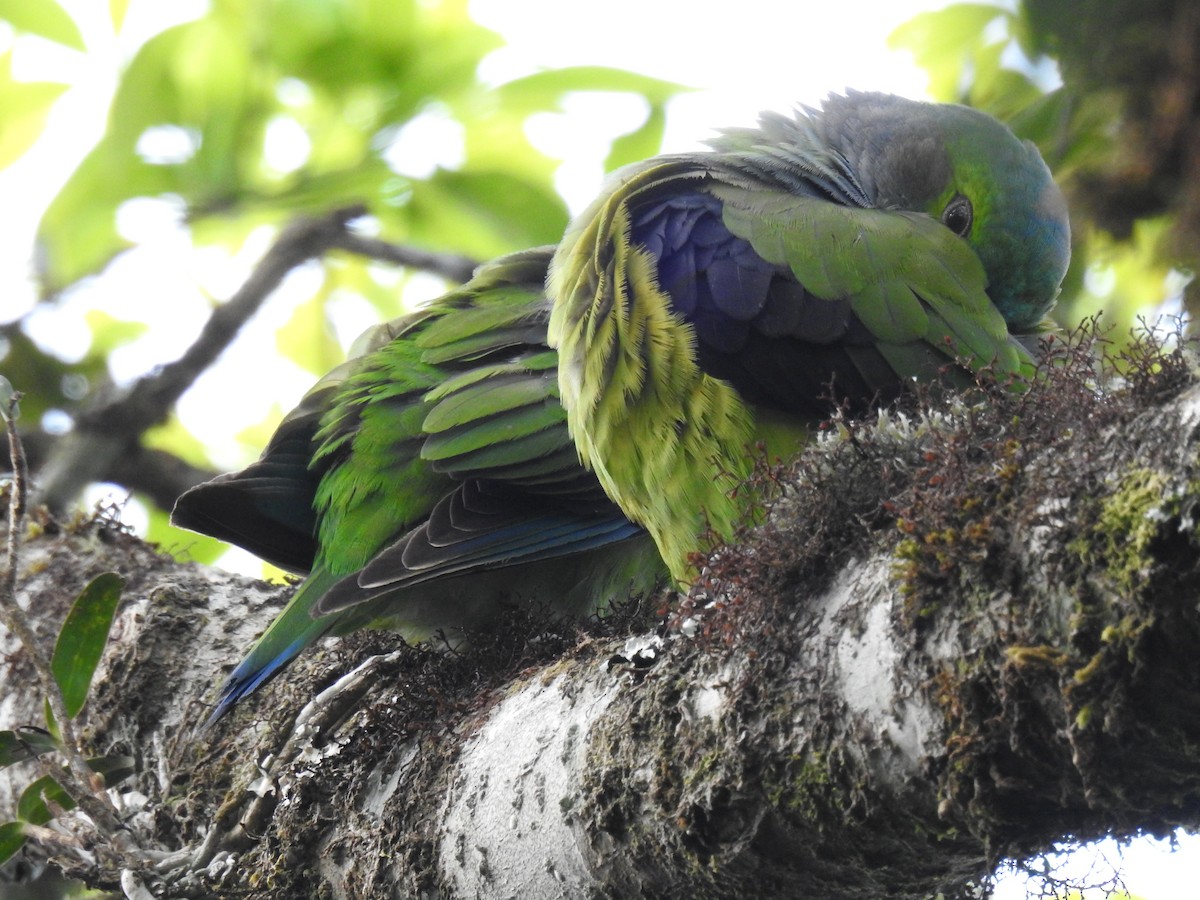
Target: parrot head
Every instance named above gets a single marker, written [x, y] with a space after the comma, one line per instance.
[1004, 203]
[970, 171]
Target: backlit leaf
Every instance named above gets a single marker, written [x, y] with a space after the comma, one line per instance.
[307, 339]
[942, 43]
[45, 18]
[25, 105]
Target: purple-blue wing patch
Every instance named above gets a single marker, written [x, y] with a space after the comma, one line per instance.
[756, 326]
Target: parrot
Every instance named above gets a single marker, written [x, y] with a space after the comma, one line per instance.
[410, 482]
[712, 302]
[576, 422]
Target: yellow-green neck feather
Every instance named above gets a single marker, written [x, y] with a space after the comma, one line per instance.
[668, 442]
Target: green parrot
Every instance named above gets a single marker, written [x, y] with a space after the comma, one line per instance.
[428, 482]
[703, 303]
[706, 302]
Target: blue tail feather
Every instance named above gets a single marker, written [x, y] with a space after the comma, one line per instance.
[292, 631]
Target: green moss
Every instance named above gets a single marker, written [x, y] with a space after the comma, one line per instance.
[1128, 521]
[805, 787]
[1084, 717]
[1085, 673]
[704, 767]
[1041, 655]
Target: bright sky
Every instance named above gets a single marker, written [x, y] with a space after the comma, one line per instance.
[744, 57]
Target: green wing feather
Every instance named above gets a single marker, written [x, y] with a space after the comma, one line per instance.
[907, 277]
[437, 476]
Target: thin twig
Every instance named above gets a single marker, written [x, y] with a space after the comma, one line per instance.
[450, 266]
[17, 498]
[77, 780]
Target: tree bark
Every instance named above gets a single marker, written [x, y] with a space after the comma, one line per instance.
[961, 635]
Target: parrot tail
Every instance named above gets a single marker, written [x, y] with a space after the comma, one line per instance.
[293, 630]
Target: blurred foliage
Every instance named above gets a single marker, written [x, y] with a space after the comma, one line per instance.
[341, 81]
[256, 112]
[1107, 89]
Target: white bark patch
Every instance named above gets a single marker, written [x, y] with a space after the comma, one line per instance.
[868, 663]
[1189, 409]
[531, 751]
[382, 782]
[855, 616]
[708, 700]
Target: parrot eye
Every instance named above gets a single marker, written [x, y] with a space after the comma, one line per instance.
[958, 216]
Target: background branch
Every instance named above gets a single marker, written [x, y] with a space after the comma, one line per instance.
[451, 266]
[159, 475]
[104, 443]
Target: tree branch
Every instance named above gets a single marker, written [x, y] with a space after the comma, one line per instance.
[107, 433]
[159, 475]
[962, 636]
[450, 266]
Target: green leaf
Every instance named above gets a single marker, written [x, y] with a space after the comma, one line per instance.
[641, 143]
[484, 214]
[78, 232]
[1125, 277]
[254, 437]
[180, 543]
[24, 743]
[943, 43]
[51, 723]
[82, 638]
[116, 13]
[996, 89]
[307, 339]
[544, 90]
[12, 839]
[34, 804]
[44, 18]
[174, 438]
[25, 105]
[109, 332]
[194, 76]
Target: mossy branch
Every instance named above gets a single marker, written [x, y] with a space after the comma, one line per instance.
[935, 654]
